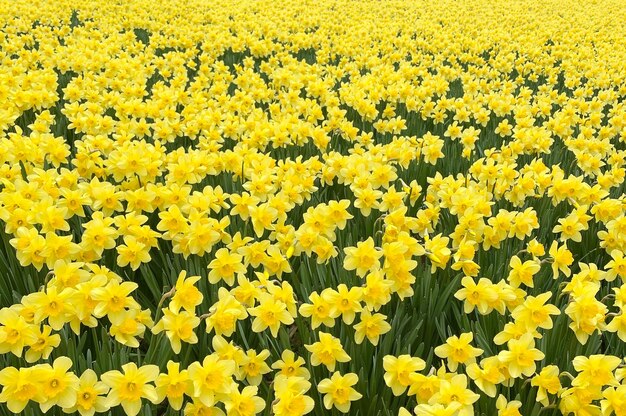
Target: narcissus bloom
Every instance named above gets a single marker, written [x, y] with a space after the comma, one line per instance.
[398, 371]
[212, 379]
[173, 385]
[486, 375]
[535, 313]
[15, 332]
[89, 395]
[371, 326]
[617, 324]
[561, 259]
[178, 326]
[43, 346]
[58, 384]
[454, 390]
[132, 253]
[225, 313]
[595, 370]
[458, 350]
[252, 366]
[244, 403]
[522, 272]
[477, 295]
[290, 366]
[20, 386]
[617, 266]
[548, 382]
[186, 294]
[614, 400]
[319, 310]
[291, 398]
[338, 391]
[521, 356]
[130, 386]
[363, 258]
[327, 351]
[113, 298]
[52, 305]
[270, 313]
[344, 302]
[225, 266]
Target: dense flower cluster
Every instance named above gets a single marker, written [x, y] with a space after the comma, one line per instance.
[290, 208]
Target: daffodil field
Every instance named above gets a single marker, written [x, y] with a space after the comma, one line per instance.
[326, 207]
